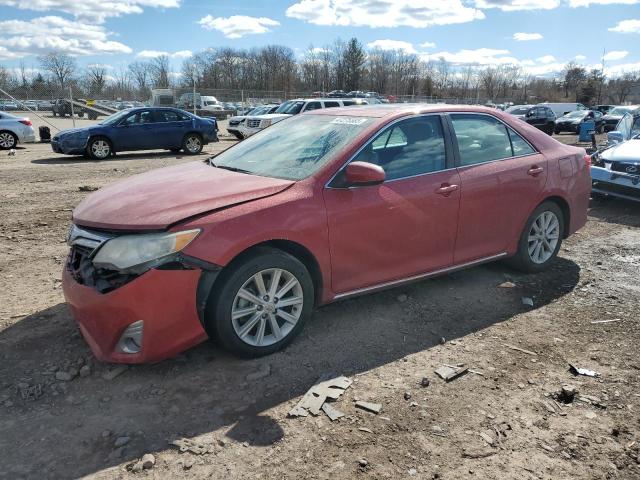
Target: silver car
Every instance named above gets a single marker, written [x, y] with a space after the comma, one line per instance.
[615, 170]
[14, 130]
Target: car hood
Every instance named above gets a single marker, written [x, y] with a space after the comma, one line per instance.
[75, 131]
[272, 115]
[628, 151]
[158, 199]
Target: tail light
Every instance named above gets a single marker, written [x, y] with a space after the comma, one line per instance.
[587, 160]
[26, 122]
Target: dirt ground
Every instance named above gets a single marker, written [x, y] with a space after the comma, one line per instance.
[65, 415]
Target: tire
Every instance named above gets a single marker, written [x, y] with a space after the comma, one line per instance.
[99, 148]
[556, 131]
[599, 129]
[225, 299]
[8, 140]
[192, 144]
[527, 262]
[53, 113]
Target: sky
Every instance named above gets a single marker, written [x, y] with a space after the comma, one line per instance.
[539, 35]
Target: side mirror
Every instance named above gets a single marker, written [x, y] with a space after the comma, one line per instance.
[615, 137]
[364, 173]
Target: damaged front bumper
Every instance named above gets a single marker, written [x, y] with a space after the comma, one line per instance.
[616, 184]
[135, 317]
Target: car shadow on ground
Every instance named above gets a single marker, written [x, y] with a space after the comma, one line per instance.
[71, 426]
[72, 159]
[616, 210]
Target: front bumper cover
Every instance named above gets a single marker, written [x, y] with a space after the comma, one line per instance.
[164, 299]
[616, 184]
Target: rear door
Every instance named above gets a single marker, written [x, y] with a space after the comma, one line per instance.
[403, 227]
[171, 127]
[502, 176]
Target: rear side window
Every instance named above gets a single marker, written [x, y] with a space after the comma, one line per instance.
[348, 103]
[520, 145]
[414, 146]
[331, 104]
[481, 138]
[313, 106]
[169, 116]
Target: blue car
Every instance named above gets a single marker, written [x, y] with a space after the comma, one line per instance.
[138, 129]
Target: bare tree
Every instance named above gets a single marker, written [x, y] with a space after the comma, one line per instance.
[622, 87]
[96, 79]
[160, 71]
[140, 72]
[60, 65]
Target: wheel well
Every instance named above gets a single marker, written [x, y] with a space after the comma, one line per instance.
[566, 212]
[189, 133]
[292, 248]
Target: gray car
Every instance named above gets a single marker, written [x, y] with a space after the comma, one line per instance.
[615, 170]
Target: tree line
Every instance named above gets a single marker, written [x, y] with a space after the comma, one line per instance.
[344, 65]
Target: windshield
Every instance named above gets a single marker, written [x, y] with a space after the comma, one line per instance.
[292, 107]
[577, 114]
[517, 110]
[115, 118]
[294, 148]
[620, 110]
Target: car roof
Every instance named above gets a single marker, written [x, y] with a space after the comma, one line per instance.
[400, 109]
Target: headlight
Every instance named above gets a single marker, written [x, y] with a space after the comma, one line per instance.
[137, 253]
[265, 123]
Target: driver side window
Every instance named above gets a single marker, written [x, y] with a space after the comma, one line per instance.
[414, 146]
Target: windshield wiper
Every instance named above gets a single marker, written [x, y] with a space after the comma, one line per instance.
[231, 169]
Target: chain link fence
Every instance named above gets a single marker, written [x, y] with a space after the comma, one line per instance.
[49, 102]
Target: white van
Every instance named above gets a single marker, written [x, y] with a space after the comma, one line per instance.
[561, 109]
[254, 123]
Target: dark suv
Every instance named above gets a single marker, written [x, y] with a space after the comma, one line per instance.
[542, 118]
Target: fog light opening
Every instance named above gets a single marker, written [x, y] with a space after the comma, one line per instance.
[131, 340]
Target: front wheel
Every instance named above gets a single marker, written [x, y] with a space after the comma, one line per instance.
[99, 148]
[8, 140]
[541, 239]
[192, 144]
[261, 303]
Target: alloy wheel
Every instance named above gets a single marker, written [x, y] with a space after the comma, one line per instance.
[267, 307]
[7, 140]
[193, 144]
[543, 237]
[100, 149]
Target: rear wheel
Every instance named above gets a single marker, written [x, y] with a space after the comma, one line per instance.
[8, 140]
[99, 148]
[261, 304]
[541, 239]
[192, 144]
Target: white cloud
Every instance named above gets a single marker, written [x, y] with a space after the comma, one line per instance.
[160, 53]
[406, 47]
[526, 37]
[480, 56]
[546, 59]
[615, 55]
[580, 58]
[428, 45]
[383, 13]
[513, 5]
[587, 3]
[94, 11]
[238, 26]
[617, 70]
[627, 26]
[43, 34]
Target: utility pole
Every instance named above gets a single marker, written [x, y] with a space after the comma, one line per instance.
[601, 78]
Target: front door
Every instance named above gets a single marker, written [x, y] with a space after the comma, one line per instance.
[502, 176]
[136, 132]
[403, 227]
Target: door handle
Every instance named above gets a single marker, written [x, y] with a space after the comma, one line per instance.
[535, 171]
[446, 189]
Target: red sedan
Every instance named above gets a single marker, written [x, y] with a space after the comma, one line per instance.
[320, 207]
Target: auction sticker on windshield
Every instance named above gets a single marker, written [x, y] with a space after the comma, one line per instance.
[349, 121]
